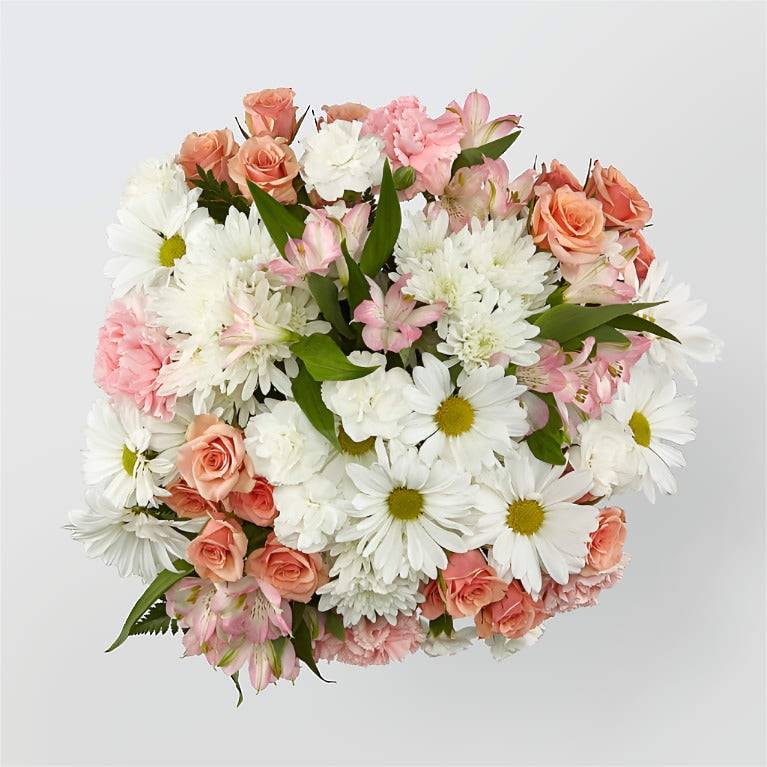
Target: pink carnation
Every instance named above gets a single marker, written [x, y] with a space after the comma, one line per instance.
[416, 140]
[376, 643]
[580, 590]
[129, 357]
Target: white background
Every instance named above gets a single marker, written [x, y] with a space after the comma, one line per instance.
[670, 667]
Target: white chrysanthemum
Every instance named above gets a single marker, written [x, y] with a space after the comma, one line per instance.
[529, 517]
[466, 428]
[607, 449]
[131, 539]
[283, 446]
[491, 331]
[338, 159]
[356, 591]
[502, 648]
[371, 406]
[459, 640]
[679, 315]
[310, 514]
[118, 455]
[659, 420]
[421, 239]
[406, 513]
[158, 220]
[505, 254]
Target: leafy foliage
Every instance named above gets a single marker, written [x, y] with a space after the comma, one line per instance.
[255, 534]
[476, 155]
[154, 621]
[325, 361]
[442, 625]
[357, 289]
[236, 679]
[335, 625]
[641, 325]
[302, 639]
[217, 196]
[308, 396]
[546, 443]
[326, 295]
[280, 222]
[383, 235]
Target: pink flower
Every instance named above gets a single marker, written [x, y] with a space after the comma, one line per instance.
[349, 111]
[414, 139]
[217, 553]
[256, 506]
[433, 605]
[512, 616]
[474, 118]
[559, 175]
[376, 643]
[468, 584]
[187, 502]
[271, 112]
[318, 248]
[189, 602]
[603, 280]
[294, 574]
[393, 323]
[606, 547]
[580, 590]
[211, 151]
[252, 608]
[270, 164]
[622, 204]
[213, 460]
[519, 192]
[267, 661]
[130, 355]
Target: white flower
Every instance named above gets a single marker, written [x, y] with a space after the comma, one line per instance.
[357, 591]
[528, 516]
[133, 540]
[309, 514]
[650, 408]
[283, 446]
[466, 428]
[338, 159]
[460, 639]
[607, 449]
[371, 406]
[679, 316]
[491, 331]
[118, 439]
[502, 648]
[406, 513]
[421, 239]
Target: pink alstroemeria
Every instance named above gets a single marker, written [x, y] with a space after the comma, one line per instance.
[190, 603]
[317, 249]
[474, 116]
[393, 323]
[267, 661]
[520, 192]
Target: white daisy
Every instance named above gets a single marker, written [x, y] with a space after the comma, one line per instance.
[338, 159]
[406, 513]
[466, 428]
[502, 648]
[356, 591]
[460, 639]
[679, 316]
[421, 238]
[133, 540]
[528, 516]
[659, 419]
[371, 406]
[119, 457]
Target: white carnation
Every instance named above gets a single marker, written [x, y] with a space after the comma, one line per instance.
[459, 640]
[502, 648]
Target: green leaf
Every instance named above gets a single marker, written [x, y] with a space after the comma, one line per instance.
[642, 325]
[442, 625]
[357, 289]
[308, 395]
[278, 220]
[604, 334]
[217, 196]
[256, 535]
[566, 321]
[546, 443]
[334, 623]
[326, 295]
[325, 361]
[236, 679]
[154, 621]
[302, 640]
[476, 155]
[154, 591]
[383, 235]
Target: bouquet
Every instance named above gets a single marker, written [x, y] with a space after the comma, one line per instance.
[373, 395]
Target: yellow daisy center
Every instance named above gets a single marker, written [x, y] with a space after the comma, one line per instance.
[350, 447]
[405, 503]
[525, 516]
[129, 460]
[640, 428]
[171, 250]
[455, 416]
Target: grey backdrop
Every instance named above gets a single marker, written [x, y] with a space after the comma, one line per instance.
[670, 667]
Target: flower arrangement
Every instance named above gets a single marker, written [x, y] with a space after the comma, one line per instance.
[377, 398]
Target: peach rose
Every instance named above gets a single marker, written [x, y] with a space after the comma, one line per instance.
[569, 224]
[217, 552]
[558, 175]
[433, 605]
[213, 459]
[622, 204]
[348, 111]
[211, 151]
[256, 506]
[511, 617]
[606, 547]
[271, 112]
[644, 258]
[468, 583]
[294, 574]
[186, 502]
[270, 164]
